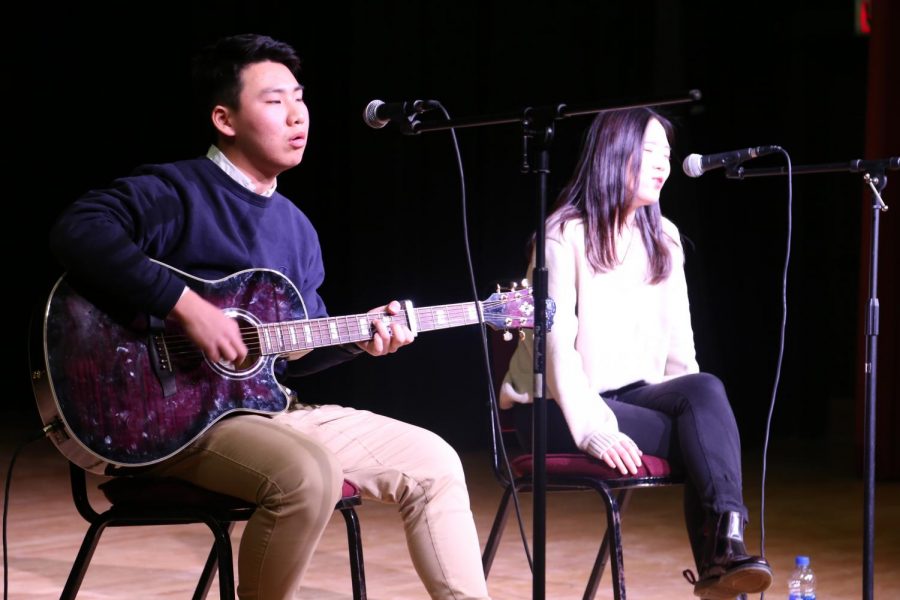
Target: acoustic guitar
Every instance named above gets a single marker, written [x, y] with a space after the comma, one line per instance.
[114, 394]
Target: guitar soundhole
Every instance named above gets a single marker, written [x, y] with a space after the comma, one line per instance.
[252, 362]
[238, 368]
[248, 362]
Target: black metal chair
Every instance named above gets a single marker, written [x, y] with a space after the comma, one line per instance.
[567, 472]
[168, 501]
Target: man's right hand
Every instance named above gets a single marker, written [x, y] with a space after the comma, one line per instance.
[217, 335]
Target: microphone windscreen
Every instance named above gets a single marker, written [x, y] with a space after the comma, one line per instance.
[693, 165]
[370, 115]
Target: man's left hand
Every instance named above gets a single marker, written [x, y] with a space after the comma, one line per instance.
[387, 338]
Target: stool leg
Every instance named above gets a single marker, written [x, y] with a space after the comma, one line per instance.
[85, 553]
[357, 566]
[603, 554]
[219, 559]
[493, 541]
[614, 546]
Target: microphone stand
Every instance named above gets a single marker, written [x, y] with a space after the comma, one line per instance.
[874, 176]
[538, 126]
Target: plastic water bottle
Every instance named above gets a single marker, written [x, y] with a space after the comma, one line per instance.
[802, 584]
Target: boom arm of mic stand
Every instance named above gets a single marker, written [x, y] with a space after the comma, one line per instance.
[559, 111]
[853, 166]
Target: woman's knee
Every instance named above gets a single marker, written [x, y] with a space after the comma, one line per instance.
[708, 385]
[705, 391]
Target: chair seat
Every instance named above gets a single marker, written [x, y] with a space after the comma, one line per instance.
[165, 491]
[583, 465]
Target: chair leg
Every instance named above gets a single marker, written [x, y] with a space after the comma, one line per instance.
[213, 561]
[493, 542]
[85, 553]
[603, 554]
[613, 549]
[357, 566]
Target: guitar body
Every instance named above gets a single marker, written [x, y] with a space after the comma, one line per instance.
[115, 394]
[128, 395]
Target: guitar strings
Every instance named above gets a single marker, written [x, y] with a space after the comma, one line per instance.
[179, 345]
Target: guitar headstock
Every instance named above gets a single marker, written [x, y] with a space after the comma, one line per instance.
[514, 309]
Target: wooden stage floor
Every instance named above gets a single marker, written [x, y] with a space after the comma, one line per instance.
[809, 511]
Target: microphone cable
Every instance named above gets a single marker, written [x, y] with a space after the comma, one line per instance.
[12, 463]
[496, 429]
[780, 360]
[33, 437]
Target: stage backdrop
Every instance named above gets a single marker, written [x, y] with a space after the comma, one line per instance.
[99, 91]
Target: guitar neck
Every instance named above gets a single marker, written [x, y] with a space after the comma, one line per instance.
[293, 336]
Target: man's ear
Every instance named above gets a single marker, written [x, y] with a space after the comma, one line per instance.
[221, 120]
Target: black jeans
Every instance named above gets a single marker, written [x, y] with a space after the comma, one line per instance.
[686, 420]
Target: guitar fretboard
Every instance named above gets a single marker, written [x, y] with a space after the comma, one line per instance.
[293, 336]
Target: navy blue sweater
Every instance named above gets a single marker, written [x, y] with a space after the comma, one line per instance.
[193, 216]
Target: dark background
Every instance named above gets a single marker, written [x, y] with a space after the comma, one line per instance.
[103, 90]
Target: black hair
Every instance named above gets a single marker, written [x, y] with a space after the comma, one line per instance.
[599, 192]
[216, 69]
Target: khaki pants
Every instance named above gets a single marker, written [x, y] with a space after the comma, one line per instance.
[293, 465]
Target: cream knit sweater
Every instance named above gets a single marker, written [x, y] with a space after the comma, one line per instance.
[610, 329]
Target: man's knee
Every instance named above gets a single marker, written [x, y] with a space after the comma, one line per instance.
[308, 476]
[443, 458]
[436, 472]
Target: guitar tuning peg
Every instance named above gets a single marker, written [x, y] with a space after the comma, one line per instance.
[507, 336]
[512, 285]
[522, 335]
[498, 288]
[525, 282]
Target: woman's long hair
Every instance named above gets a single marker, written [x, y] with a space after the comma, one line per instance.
[601, 190]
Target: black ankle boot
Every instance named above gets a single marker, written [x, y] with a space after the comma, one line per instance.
[726, 570]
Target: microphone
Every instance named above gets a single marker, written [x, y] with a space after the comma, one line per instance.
[695, 165]
[377, 114]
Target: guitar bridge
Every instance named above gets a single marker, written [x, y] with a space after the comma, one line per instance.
[160, 359]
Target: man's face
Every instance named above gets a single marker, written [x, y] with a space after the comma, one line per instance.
[269, 130]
